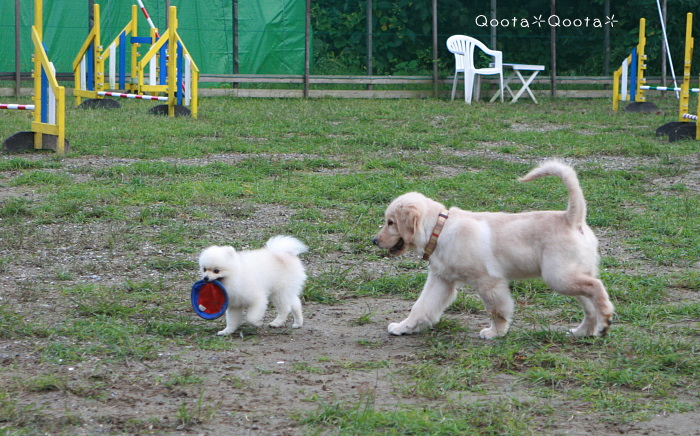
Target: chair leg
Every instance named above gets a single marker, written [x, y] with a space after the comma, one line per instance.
[501, 77]
[477, 87]
[454, 86]
[468, 86]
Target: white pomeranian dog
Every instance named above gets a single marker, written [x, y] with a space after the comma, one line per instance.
[252, 278]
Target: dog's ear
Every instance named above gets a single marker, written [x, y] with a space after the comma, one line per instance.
[230, 251]
[407, 220]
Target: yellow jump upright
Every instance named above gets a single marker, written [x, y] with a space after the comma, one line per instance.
[49, 108]
[637, 61]
[686, 126]
[684, 106]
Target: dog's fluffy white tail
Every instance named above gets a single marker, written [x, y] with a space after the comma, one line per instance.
[576, 210]
[286, 244]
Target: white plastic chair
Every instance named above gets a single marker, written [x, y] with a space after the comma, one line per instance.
[463, 49]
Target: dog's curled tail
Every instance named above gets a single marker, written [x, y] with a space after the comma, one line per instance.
[576, 210]
[286, 244]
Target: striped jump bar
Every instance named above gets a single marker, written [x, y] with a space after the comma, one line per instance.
[690, 117]
[148, 17]
[667, 88]
[19, 107]
[140, 97]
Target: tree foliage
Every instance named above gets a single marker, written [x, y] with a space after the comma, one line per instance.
[402, 33]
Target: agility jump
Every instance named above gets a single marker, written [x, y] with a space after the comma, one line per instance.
[167, 68]
[631, 86]
[48, 125]
[628, 80]
[684, 128]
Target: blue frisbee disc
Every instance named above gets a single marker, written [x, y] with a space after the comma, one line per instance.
[209, 299]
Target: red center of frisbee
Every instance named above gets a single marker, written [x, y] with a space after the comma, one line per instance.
[211, 298]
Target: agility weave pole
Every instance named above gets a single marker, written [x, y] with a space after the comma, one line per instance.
[167, 68]
[684, 128]
[631, 73]
[49, 121]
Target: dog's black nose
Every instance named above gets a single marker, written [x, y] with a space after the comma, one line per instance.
[375, 241]
[205, 278]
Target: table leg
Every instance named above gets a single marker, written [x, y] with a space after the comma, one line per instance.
[526, 86]
[505, 87]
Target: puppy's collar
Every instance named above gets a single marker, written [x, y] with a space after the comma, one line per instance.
[432, 243]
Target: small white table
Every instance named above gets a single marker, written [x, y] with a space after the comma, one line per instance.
[517, 72]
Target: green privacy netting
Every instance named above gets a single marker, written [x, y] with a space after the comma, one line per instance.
[270, 32]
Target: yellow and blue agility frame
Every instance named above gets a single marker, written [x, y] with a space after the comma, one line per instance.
[171, 69]
[628, 80]
[49, 108]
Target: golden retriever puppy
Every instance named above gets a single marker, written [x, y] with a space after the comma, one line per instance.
[487, 250]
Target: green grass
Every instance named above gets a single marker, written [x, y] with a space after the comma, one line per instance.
[487, 418]
[144, 191]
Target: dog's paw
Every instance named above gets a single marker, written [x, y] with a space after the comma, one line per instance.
[224, 332]
[277, 324]
[576, 333]
[297, 326]
[603, 329]
[589, 329]
[583, 331]
[489, 333]
[599, 332]
[397, 329]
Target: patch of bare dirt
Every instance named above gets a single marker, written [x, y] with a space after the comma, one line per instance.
[253, 386]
